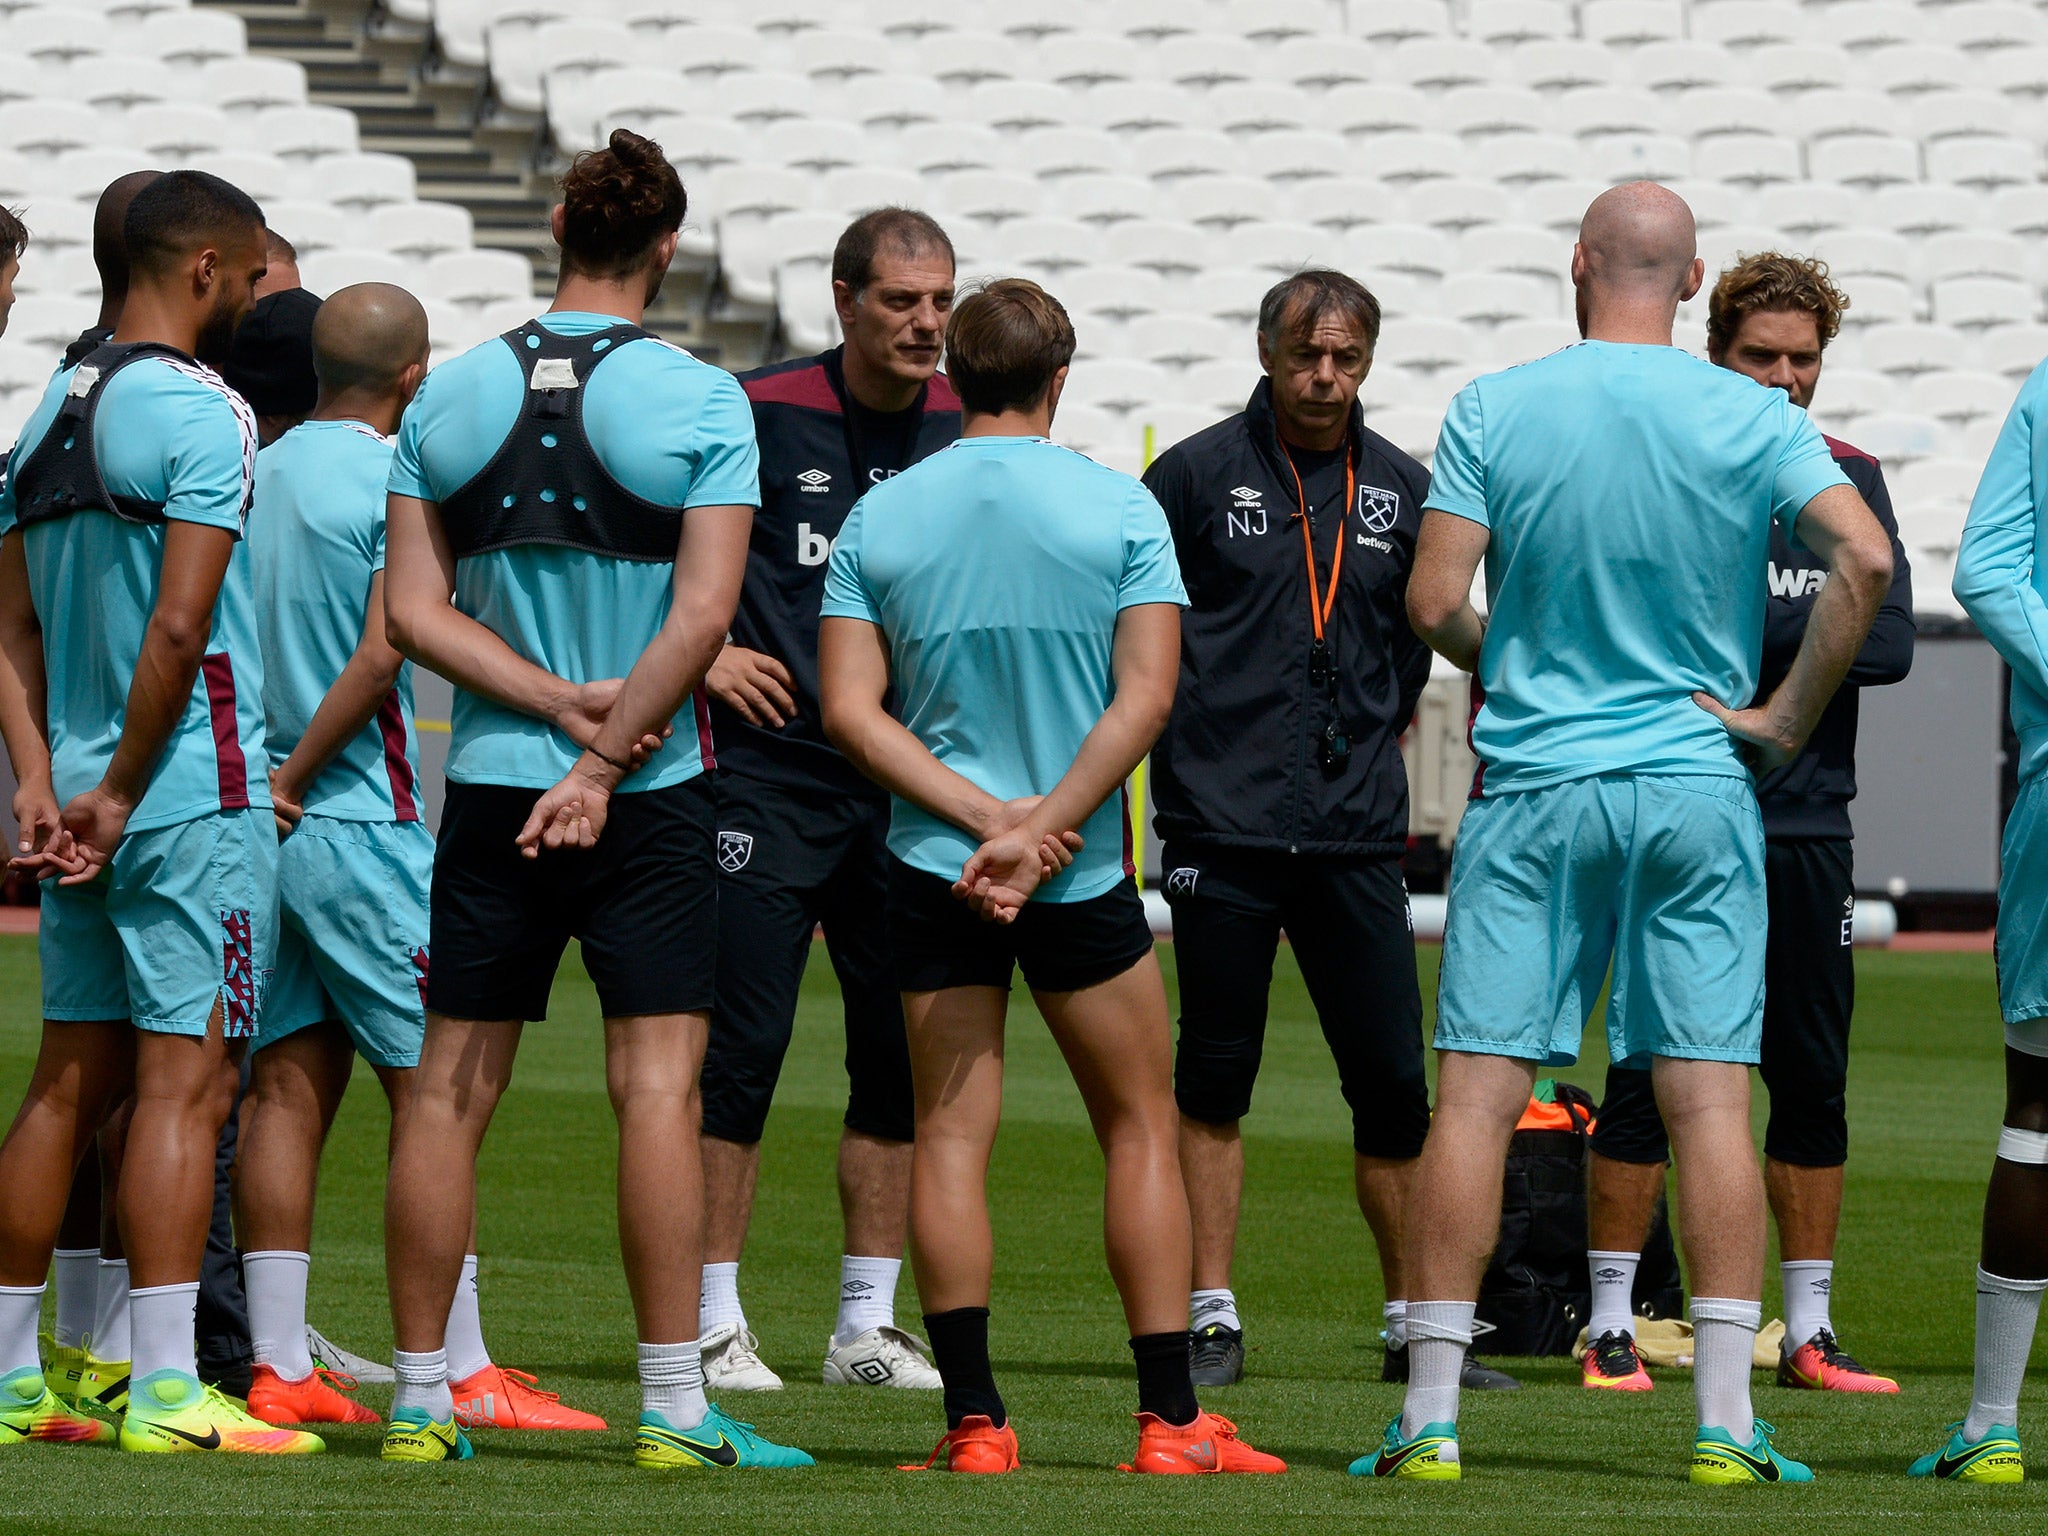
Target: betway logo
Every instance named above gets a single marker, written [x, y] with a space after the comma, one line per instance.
[1796, 583]
[811, 548]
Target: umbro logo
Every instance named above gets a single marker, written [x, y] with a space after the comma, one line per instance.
[814, 480]
[1246, 496]
[734, 850]
[1607, 1272]
[855, 1288]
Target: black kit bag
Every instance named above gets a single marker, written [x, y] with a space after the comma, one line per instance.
[1536, 1294]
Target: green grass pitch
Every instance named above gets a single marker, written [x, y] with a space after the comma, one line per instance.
[1925, 1102]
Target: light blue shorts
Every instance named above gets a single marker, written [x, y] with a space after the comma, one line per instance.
[1664, 876]
[185, 916]
[352, 935]
[2022, 943]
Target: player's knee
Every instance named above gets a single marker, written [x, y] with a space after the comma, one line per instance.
[1810, 1132]
[1213, 1095]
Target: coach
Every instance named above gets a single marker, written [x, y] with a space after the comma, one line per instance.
[1279, 786]
[800, 831]
[1771, 316]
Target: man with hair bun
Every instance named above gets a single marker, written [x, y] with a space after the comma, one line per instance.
[1022, 606]
[801, 833]
[124, 511]
[1771, 317]
[568, 519]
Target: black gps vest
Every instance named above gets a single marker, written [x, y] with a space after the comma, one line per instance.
[545, 484]
[62, 475]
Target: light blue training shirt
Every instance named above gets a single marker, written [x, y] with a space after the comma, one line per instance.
[669, 429]
[316, 538]
[2002, 569]
[170, 431]
[1628, 492]
[996, 569]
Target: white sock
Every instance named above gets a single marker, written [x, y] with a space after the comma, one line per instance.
[672, 1383]
[78, 1294]
[21, 1308]
[465, 1338]
[275, 1282]
[1439, 1332]
[110, 1331]
[718, 1304]
[2006, 1313]
[867, 1295]
[1807, 1283]
[1723, 1353]
[1395, 1316]
[423, 1384]
[1614, 1289]
[160, 1320]
[1206, 1308]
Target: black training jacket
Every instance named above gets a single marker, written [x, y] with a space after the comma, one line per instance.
[809, 482]
[1809, 796]
[1238, 763]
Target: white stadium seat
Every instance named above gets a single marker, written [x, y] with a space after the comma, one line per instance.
[1180, 341]
[310, 226]
[1974, 302]
[238, 85]
[264, 177]
[1562, 65]
[305, 133]
[325, 272]
[1398, 21]
[189, 39]
[1500, 23]
[1864, 26]
[419, 230]
[1984, 161]
[1677, 68]
[361, 182]
[1631, 23]
[475, 278]
[177, 132]
[117, 83]
[1863, 161]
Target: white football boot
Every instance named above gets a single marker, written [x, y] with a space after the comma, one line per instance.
[882, 1357]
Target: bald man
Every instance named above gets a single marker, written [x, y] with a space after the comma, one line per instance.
[1621, 495]
[353, 869]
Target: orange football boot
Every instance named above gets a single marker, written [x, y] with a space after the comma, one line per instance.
[498, 1398]
[1207, 1444]
[976, 1446]
[1614, 1364]
[318, 1398]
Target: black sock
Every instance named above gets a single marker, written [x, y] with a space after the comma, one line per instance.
[960, 1349]
[1163, 1385]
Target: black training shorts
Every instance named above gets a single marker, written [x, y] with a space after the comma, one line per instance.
[791, 861]
[1348, 922]
[1809, 996]
[644, 903]
[936, 940]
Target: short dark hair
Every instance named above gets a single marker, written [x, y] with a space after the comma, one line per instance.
[1004, 343]
[279, 248]
[904, 230]
[1772, 282]
[181, 211]
[616, 203]
[1298, 303]
[13, 234]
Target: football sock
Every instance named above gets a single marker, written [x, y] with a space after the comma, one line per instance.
[465, 1336]
[867, 1296]
[718, 1304]
[1807, 1283]
[275, 1282]
[77, 1273]
[672, 1383]
[1439, 1332]
[2006, 1313]
[1723, 1350]
[1163, 1385]
[160, 1322]
[1207, 1308]
[110, 1332]
[423, 1384]
[1394, 1315]
[1614, 1289]
[960, 1349]
[21, 1308]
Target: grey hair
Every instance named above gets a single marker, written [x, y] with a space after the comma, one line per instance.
[1298, 302]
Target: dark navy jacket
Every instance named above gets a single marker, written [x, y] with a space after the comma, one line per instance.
[820, 451]
[1238, 763]
[1809, 797]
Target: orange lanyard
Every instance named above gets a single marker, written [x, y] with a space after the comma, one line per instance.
[1321, 606]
